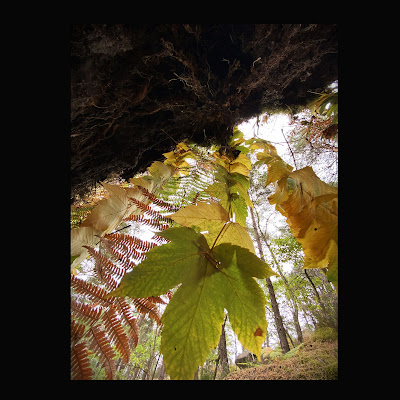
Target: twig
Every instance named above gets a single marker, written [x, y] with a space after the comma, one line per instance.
[294, 160]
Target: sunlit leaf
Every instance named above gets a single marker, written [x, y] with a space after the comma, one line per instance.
[311, 209]
[212, 280]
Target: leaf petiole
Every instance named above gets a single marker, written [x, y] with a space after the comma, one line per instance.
[219, 234]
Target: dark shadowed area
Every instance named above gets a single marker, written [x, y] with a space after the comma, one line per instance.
[137, 90]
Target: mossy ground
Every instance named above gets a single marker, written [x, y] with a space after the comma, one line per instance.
[315, 359]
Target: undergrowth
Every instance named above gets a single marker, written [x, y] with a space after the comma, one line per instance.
[314, 359]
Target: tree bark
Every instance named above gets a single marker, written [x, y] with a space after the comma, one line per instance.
[291, 295]
[162, 371]
[275, 308]
[222, 352]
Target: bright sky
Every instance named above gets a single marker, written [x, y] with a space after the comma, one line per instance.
[271, 131]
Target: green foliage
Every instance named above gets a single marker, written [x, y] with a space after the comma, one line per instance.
[325, 333]
[209, 259]
[287, 248]
[327, 104]
[78, 215]
[212, 279]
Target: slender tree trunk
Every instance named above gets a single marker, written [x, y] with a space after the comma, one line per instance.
[222, 352]
[290, 338]
[151, 358]
[275, 308]
[289, 290]
[297, 326]
[326, 314]
[162, 371]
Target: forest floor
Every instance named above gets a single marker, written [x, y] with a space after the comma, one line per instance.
[312, 360]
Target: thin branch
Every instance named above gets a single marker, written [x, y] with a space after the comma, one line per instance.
[294, 160]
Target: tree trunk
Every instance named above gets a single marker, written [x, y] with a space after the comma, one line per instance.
[162, 371]
[278, 319]
[222, 352]
[290, 293]
[327, 317]
[275, 308]
[297, 326]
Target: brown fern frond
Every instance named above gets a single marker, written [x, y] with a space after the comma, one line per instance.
[92, 292]
[119, 254]
[100, 344]
[130, 320]
[126, 246]
[128, 242]
[144, 306]
[150, 222]
[144, 207]
[154, 215]
[156, 300]
[87, 313]
[160, 240]
[160, 203]
[117, 334]
[102, 263]
[77, 330]
[194, 201]
[109, 281]
[80, 365]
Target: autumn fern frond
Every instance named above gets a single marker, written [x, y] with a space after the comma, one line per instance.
[159, 239]
[90, 291]
[100, 344]
[106, 327]
[130, 320]
[145, 306]
[80, 365]
[117, 334]
[149, 222]
[159, 202]
[129, 242]
[103, 264]
[77, 330]
[87, 313]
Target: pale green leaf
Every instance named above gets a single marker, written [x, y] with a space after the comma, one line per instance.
[211, 281]
[192, 323]
[243, 298]
[165, 266]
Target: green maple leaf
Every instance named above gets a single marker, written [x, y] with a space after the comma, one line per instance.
[165, 266]
[212, 280]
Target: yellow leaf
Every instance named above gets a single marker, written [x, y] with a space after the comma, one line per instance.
[222, 160]
[207, 217]
[266, 158]
[182, 146]
[160, 172]
[108, 213]
[241, 192]
[276, 170]
[146, 183]
[244, 160]
[239, 167]
[311, 209]
[169, 156]
[236, 234]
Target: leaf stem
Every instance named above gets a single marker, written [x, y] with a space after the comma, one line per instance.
[219, 234]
